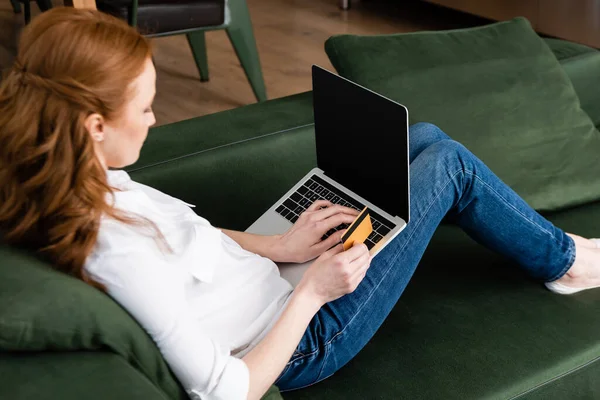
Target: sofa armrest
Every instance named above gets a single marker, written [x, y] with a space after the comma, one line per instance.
[73, 376]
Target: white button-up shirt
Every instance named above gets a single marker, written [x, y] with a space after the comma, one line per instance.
[206, 304]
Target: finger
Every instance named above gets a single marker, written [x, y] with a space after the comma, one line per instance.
[358, 280]
[360, 272]
[332, 251]
[336, 220]
[336, 209]
[331, 241]
[357, 277]
[322, 227]
[357, 251]
[318, 204]
[361, 262]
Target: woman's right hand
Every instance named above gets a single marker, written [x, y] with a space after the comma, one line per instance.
[336, 273]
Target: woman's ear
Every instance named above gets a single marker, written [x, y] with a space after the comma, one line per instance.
[94, 123]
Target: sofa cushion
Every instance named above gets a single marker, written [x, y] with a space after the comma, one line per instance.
[45, 310]
[471, 325]
[582, 65]
[499, 90]
[42, 310]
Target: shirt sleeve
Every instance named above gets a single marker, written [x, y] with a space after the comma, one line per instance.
[152, 292]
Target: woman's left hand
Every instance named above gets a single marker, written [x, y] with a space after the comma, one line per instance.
[302, 242]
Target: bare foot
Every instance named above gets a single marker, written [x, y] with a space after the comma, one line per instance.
[585, 271]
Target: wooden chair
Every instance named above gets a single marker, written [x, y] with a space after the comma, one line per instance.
[155, 18]
[43, 5]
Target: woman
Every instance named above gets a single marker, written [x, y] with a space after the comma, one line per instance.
[76, 107]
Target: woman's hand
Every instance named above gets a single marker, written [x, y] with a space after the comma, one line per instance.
[302, 242]
[336, 273]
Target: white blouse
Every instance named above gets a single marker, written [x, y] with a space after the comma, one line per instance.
[206, 305]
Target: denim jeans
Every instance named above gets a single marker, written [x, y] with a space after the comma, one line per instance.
[447, 181]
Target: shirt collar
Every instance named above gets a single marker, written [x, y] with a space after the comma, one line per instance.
[117, 178]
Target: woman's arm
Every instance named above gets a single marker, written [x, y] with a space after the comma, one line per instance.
[266, 246]
[266, 361]
[332, 275]
[303, 241]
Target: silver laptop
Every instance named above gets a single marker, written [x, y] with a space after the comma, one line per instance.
[362, 160]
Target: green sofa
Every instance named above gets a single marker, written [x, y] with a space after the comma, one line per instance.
[478, 330]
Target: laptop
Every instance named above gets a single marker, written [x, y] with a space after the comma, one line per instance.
[361, 142]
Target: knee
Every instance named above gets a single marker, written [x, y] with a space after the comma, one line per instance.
[430, 130]
[450, 151]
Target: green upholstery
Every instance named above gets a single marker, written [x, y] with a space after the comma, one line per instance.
[42, 309]
[581, 63]
[85, 375]
[499, 90]
[478, 330]
[483, 332]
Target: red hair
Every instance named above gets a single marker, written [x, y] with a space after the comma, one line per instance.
[70, 64]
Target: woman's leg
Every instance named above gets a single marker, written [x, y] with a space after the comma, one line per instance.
[422, 135]
[445, 177]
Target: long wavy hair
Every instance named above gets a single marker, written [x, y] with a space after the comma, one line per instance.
[53, 188]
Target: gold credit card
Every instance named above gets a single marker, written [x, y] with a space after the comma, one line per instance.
[359, 230]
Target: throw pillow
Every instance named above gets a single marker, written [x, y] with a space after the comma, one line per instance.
[499, 90]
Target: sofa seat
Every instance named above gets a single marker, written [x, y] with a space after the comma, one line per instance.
[471, 325]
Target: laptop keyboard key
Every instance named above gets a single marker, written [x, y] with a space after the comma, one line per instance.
[383, 230]
[290, 204]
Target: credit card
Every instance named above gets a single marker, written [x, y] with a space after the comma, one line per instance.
[359, 230]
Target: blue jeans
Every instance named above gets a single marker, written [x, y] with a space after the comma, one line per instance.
[447, 181]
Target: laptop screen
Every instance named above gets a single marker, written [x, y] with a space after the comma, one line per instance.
[362, 141]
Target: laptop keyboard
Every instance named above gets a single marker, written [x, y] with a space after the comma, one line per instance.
[315, 189]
